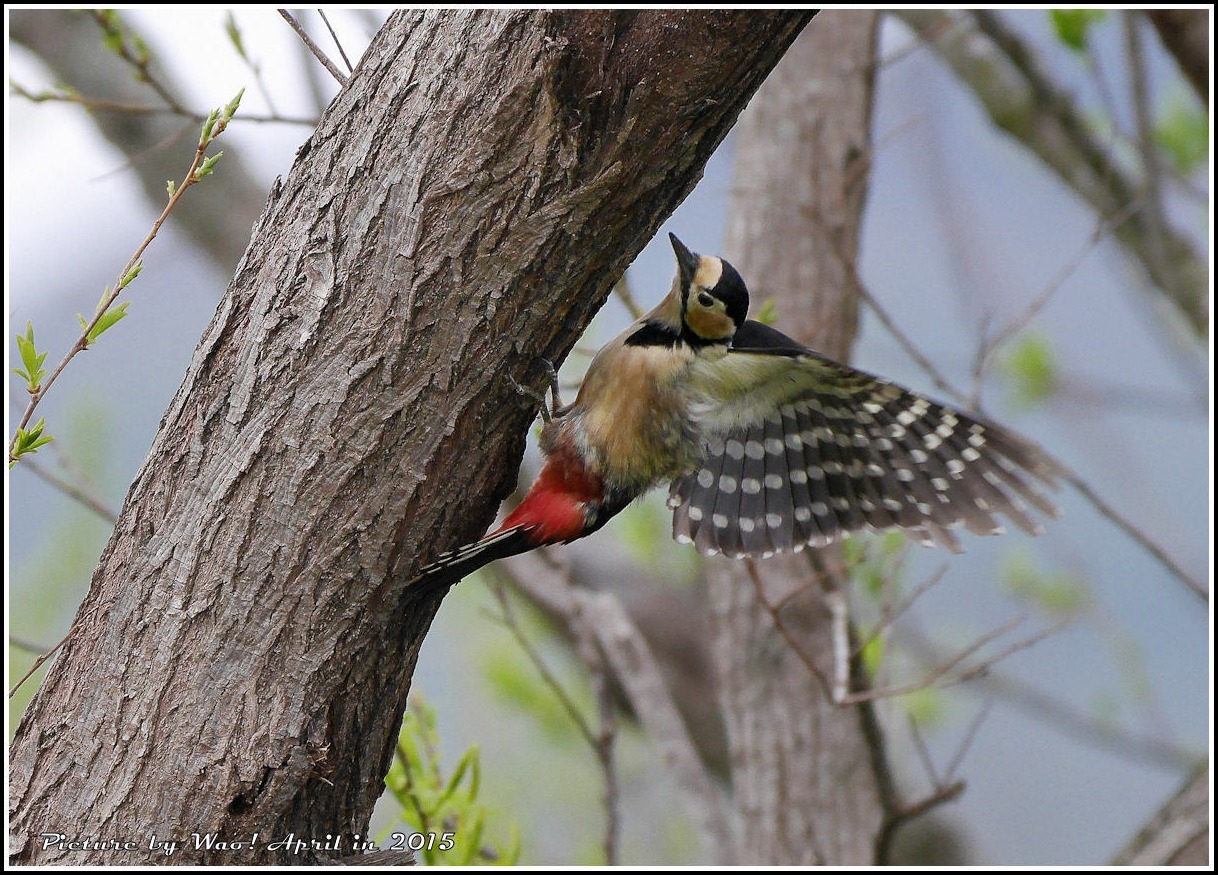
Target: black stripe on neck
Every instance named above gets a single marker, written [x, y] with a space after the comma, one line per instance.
[659, 334]
[653, 334]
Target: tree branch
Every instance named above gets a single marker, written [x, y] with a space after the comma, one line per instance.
[221, 212]
[809, 779]
[1178, 834]
[1186, 34]
[637, 671]
[463, 208]
[992, 61]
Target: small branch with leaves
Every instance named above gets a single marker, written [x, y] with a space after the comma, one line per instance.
[27, 439]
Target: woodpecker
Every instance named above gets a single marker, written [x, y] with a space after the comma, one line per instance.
[769, 447]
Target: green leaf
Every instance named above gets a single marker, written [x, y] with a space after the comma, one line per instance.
[873, 655]
[112, 34]
[205, 135]
[171, 186]
[471, 838]
[458, 775]
[514, 680]
[142, 54]
[893, 543]
[1071, 25]
[641, 526]
[1183, 133]
[925, 707]
[768, 313]
[234, 35]
[31, 358]
[135, 271]
[1032, 369]
[510, 855]
[108, 319]
[430, 803]
[854, 551]
[1057, 594]
[230, 108]
[29, 440]
[208, 165]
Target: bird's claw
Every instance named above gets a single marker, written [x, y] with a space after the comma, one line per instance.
[557, 409]
[547, 411]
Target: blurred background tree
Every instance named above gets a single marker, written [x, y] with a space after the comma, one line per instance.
[1035, 230]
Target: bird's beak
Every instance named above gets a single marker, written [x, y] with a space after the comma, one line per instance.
[687, 262]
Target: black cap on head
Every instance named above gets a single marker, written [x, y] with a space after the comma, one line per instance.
[732, 291]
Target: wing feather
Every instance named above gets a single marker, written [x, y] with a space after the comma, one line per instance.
[800, 450]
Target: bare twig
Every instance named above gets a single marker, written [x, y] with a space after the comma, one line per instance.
[590, 654]
[128, 273]
[1147, 149]
[1195, 586]
[106, 21]
[97, 104]
[338, 74]
[624, 294]
[403, 757]
[639, 674]
[890, 613]
[73, 491]
[636, 670]
[507, 619]
[896, 818]
[911, 349]
[970, 735]
[334, 37]
[995, 64]
[602, 740]
[785, 631]
[923, 752]
[40, 660]
[1073, 479]
[838, 689]
[1060, 715]
[28, 646]
[992, 343]
[130, 269]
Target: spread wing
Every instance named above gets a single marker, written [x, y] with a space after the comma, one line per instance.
[800, 450]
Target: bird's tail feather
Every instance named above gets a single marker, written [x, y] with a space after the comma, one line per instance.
[449, 568]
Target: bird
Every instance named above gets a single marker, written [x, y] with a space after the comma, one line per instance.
[768, 446]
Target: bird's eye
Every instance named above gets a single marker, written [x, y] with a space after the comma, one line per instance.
[705, 299]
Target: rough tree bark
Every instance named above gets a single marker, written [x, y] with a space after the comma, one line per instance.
[808, 777]
[243, 656]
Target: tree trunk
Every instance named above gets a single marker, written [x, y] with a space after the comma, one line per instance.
[808, 776]
[1179, 833]
[241, 662]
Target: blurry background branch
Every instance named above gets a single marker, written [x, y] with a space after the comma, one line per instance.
[1004, 74]
[222, 211]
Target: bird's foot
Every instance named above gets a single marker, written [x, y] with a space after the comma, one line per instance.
[548, 411]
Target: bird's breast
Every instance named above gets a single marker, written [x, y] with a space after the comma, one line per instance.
[630, 415]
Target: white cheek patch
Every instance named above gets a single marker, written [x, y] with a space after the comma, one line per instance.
[709, 271]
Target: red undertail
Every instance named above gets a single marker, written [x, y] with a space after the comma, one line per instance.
[555, 508]
[554, 512]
